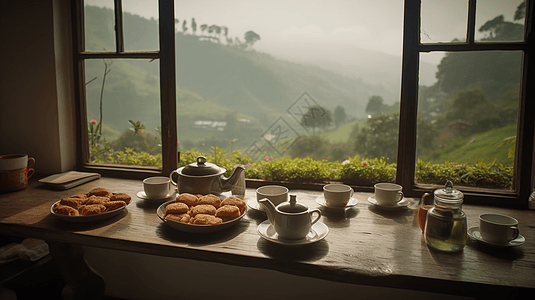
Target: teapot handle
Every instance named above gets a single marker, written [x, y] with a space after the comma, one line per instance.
[317, 218]
[171, 178]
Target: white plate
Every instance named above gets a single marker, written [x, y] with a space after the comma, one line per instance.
[194, 228]
[89, 218]
[321, 201]
[143, 196]
[254, 205]
[476, 235]
[401, 204]
[318, 232]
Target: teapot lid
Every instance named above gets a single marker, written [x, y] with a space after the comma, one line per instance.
[449, 193]
[292, 206]
[202, 168]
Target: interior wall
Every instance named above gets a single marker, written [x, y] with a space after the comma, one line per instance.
[30, 102]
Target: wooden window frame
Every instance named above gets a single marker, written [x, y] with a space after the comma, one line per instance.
[166, 57]
[412, 47]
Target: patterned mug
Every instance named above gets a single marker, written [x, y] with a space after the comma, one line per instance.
[15, 180]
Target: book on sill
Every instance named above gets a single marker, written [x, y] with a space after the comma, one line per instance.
[67, 180]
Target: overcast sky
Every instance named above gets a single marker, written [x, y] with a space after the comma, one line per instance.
[290, 28]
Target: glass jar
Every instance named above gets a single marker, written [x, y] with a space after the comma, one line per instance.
[446, 227]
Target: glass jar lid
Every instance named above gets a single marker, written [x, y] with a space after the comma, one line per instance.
[449, 193]
[202, 168]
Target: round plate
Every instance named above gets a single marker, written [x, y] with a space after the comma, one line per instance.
[318, 232]
[143, 196]
[476, 235]
[89, 218]
[352, 202]
[401, 204]
[194, 228]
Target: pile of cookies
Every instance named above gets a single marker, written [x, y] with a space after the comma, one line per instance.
[97, 201]
[204, 209]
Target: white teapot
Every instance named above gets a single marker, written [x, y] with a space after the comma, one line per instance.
[290, 219]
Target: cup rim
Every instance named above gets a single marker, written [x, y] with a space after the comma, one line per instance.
[286, 190]
[511, 221]
[153, 178]
[393, 186]
[347, 188]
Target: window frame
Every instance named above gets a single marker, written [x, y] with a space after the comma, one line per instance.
[406, 161]
[166, 57]
[412, 47]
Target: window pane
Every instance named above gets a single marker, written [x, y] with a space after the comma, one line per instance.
[295, 86]
[500, 21]
[140, 25]
[467, 120]
[123, 96]
[443, 22]
[99, 26]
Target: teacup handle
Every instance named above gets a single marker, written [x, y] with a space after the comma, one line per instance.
[352, 192]
[400, 196]
[317, 218]
[30, 174]
[171, 178]
[516, 232]
[31, 162]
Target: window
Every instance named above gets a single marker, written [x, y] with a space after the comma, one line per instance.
[212, 55]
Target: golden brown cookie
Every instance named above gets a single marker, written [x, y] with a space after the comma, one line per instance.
[100, 192]
[242, 205]
[182, 218]
[121, 197]
[206, 209]
[92, 209]
[228, 212]
[65, 210]
[189, 199]
[176, 208]
[210, 199]
[72, 202]
[111, 205]
[203, 219]
[96, 200]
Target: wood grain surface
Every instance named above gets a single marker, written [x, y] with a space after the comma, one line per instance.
[365, 245]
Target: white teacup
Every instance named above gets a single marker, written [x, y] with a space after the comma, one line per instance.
[388, 194]
[275, 193]
[337, 195]
[156, 187]
[498, 229]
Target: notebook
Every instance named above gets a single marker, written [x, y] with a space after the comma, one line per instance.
[67, 180]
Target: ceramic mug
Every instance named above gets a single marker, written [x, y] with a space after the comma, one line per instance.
[156, 187]
[388, 194]
[498, 229]
[275, 193]
[15, 180]
[337, 195]
[12, 162]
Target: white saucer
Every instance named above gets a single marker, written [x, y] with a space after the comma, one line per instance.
[254, 205]
[476, 235]
[318, 232]
[321, 201]
[401, 204]
[143, 196]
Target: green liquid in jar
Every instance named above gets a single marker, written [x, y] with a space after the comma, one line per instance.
[446, 234]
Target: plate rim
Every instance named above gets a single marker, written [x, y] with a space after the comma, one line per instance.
[405, 204]
[89, 218]
[471, 234]
[348, 205]
[300, 242]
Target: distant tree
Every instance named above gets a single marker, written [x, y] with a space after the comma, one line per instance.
[184, 26]
[250, 38]
[375, 105]
[203, 28]
[316, 117]
[339, 116]
[193, 26]
[520, 12]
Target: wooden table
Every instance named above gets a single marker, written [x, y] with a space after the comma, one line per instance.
[365, 245]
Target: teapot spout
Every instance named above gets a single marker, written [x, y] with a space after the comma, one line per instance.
[228, 183]
[269, 208]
